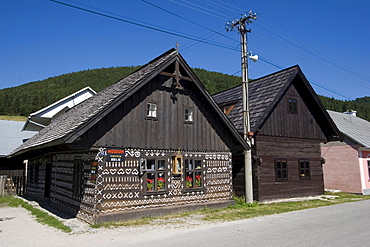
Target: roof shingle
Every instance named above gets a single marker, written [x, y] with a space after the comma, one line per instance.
[87, 110]
[262, 93]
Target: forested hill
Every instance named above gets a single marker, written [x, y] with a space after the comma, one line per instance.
[33, 96]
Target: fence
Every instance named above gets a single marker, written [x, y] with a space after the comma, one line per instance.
[12, 182]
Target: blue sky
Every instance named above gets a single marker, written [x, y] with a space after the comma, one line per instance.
[328, 39]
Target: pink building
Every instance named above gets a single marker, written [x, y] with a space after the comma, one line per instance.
[347, 166]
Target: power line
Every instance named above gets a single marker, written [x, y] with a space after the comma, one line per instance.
[321, 65]
[193, 38]
[313, 51]
[190, 37]
[199, 9]
[311, 81]
[193, 22]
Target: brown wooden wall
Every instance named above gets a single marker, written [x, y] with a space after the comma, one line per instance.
[128, 125]
[302, 125]
[268, 149]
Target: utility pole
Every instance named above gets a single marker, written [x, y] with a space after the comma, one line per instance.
[241, 27]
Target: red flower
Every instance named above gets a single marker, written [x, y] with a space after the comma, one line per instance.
[198, 177]
[150, 180]
[161, 179]
[188, 178]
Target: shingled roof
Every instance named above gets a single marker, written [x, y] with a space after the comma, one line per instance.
[264, 95]
[355, 128]
[70, 125]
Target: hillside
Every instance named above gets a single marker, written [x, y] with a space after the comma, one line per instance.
[33, 96]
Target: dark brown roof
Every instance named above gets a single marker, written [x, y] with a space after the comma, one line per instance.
[70, 125]
[264, 95]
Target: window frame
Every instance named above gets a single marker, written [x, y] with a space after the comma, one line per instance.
[280, 169]
[306, 175]
[78, 178]
[158, 169]
[292, 106]
[195, 171]
[189, 118]
[150, 110]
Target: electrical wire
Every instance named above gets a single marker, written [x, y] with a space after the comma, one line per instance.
[311, 50]
[202, 11]
[310, 80]
[190, 37]
[193, 38]
[307, 58]
[193, 22]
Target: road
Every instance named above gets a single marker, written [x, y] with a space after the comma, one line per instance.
[338, 225]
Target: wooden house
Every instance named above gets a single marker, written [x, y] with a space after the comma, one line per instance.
[289, 122]
[347, 163]
[152, 143]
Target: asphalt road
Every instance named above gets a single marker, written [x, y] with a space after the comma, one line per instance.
[339, 225]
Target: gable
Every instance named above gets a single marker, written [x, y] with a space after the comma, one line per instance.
[70, 126]
[291, 122]
[129, 125]
[265, 95]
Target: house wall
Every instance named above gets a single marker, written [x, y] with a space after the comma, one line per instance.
[128, 124]
[268, 149]
[365, 166]
[50, 177]
[122, 191]
[291, 136]
[112, 191]
[342, 169]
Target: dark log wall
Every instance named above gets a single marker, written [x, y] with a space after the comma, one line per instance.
[284, 124]
[36, 177]
[62, 190]
[268, 149]
[284, 135]
[129, 126]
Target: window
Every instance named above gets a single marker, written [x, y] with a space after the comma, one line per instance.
[193, 174]
[304, 169]
[292, 106]
[227, 108]
[33, 172]
[281, 169]
[155, 175]
[78, 178]
[188, 115]
[152, 110]
[368, 166]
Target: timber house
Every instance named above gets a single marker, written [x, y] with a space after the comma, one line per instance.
[152, 143]
[289, 122]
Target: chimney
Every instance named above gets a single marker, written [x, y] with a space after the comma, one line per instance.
[351, 113]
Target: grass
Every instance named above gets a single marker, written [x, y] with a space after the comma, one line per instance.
[41, 216]
[13, 118]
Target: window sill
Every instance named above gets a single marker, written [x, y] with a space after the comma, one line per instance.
[151, 118]
[162, 192]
